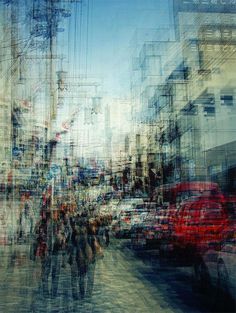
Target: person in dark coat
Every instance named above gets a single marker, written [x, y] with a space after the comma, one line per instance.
[48, 247]
[82, 257]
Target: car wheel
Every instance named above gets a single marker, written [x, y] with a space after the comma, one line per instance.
[223, 277]
[224, 302]
[201, 279]
[134, 242]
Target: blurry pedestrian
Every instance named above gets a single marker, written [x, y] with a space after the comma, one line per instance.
[9, 184]
[49, 242]
[77, 261]
[107, 236]
[82, 257]
[25, 221]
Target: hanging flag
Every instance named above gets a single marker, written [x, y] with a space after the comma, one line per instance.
[65, 125]
[58, 137]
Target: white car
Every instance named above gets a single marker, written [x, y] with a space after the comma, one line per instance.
[122, 216]
[215, 271]
[226, 267]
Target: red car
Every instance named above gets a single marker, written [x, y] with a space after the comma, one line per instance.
[186, 190]
[200, 222]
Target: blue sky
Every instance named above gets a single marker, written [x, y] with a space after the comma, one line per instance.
[112, 24]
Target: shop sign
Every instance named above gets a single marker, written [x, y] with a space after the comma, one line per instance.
[16, 152]
[54, 169]
[212, 6]
[49, 176]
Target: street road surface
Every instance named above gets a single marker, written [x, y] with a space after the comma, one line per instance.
[123, 282]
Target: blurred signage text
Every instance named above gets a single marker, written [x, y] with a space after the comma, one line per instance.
[212, 6]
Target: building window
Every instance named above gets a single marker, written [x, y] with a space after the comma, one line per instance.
[226, 34]
[209, 110]
[201, 60]
[138, 141]
[226, 100]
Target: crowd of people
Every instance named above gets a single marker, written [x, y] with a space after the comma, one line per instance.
[65, 234]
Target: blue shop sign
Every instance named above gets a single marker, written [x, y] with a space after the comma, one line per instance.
[16, 151]
[55, 169]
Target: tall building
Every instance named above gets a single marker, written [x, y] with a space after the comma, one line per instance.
[189, 110]
[5, 94]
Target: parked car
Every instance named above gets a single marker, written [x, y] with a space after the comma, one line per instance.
[173, 197]
[186, 190]
[127, 204]
[199, 223]
[178, 192]
[129, 214]
[155, 231]
[123, 226]
[214, 274]
[143, 233]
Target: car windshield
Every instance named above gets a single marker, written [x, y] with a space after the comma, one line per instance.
[185, 195]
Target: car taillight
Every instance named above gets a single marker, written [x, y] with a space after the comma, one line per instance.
[127, 220]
